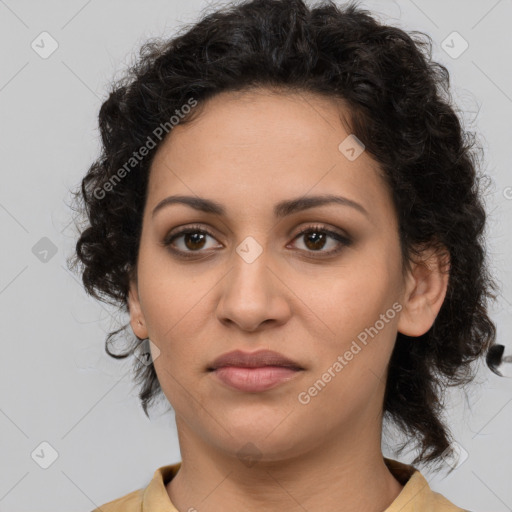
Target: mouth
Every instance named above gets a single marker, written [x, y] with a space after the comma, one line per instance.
[254, 372]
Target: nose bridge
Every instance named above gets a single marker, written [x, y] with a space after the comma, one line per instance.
[249, 296]
[250, 275]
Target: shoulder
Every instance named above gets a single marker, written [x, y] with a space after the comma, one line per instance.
[151, 497]
[417, 495]
[128, 503]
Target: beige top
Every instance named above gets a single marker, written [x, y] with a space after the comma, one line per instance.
[416, 496]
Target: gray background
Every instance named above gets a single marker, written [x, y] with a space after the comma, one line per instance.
[57, 384]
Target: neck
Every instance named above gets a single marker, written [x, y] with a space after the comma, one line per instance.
[341, 475]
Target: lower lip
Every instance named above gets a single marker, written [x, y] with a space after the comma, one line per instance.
[254, 379]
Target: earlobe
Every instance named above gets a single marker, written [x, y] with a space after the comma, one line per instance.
[424, 292]
[137, 320]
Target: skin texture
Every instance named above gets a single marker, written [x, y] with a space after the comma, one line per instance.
[249, 151]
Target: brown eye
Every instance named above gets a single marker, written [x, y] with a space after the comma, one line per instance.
[189, 240]
[317, 237]
[315, 240]
[193, 239]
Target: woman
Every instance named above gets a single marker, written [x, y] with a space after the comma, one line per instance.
[287, 206]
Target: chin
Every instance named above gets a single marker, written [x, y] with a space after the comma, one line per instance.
[272, 441]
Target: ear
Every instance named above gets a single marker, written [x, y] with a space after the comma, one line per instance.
[137, 320]
[424, 291]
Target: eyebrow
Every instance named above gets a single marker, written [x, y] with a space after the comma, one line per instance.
[281, 209]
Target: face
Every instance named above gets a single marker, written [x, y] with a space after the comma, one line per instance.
[330, 299]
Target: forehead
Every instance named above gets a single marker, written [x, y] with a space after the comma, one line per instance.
[257, 146]
[262, 117]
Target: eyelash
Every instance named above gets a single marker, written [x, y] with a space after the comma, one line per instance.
[343, 240]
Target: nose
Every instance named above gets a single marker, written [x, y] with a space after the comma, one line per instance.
[253, 295]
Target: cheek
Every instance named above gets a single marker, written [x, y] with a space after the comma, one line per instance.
[351, 360]
[170, 303]
[168, 294]
[358, 308]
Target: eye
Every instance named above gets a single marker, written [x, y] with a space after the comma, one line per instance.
[193, 239]
[315, 238]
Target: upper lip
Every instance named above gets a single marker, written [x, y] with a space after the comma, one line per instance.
[253, 360]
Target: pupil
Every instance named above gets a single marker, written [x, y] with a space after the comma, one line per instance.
[196, 238]
[320, 237]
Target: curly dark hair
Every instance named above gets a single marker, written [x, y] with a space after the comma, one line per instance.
[399, 106]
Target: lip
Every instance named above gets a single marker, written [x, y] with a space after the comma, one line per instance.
[254, 372]
[256, 359]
